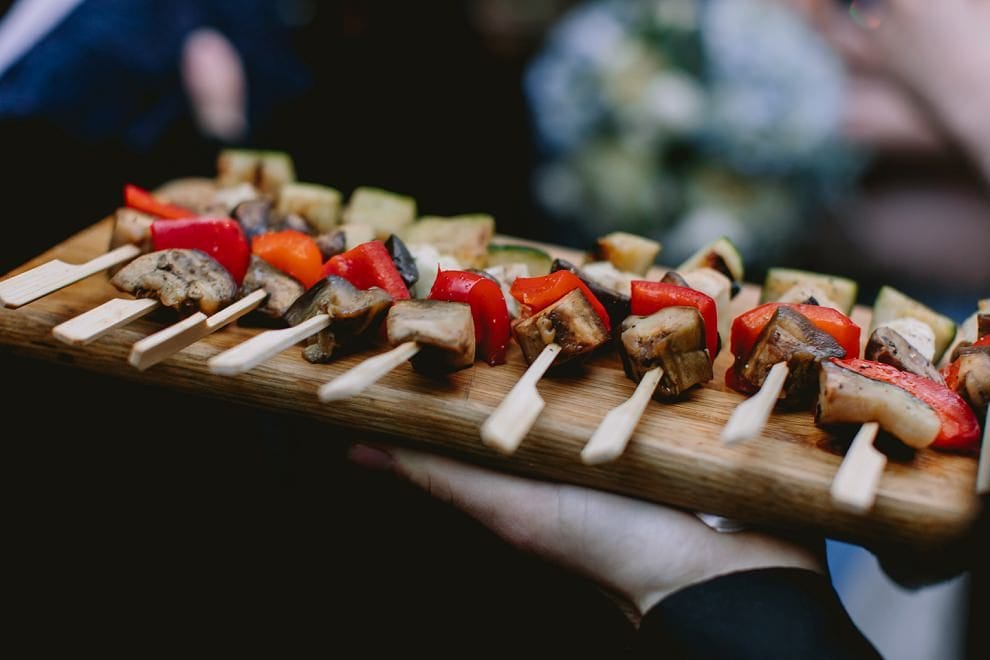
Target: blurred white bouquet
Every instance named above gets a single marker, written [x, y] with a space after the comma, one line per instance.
[685, 120]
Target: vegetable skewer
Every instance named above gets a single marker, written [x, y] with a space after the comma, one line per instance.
[438, 336]
[54, 275]
[265, 288]
[905, 337]
[157, 347]
[667, 344]
[568, 322]
[131, 222]
[334, 310]
[197, 263]
[441, 326]
[358, 287]
[797, 336]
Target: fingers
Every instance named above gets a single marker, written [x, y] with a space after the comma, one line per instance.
[639, 550]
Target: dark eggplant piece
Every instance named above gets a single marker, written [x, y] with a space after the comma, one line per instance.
[354, 315]
[615, 303]
[570, 322]
[790, 337]
[256, 216]
[672, 338]
[889, 347]
[444, 331]
[332, 243]
[403, 260]
[282, 289]
[847, 397]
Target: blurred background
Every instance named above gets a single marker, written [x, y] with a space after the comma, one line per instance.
[790, 126]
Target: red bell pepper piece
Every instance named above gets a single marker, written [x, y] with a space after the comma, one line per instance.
[539, 292]
[221, 238]
[144, 201]
[491, 316]
[650, 297]
[746, 327]
[292, 252]
[368, 265]
[960, 429]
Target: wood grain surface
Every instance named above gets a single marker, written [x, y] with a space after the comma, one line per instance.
[675, 456]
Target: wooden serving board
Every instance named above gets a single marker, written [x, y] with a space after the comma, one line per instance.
[675, 456]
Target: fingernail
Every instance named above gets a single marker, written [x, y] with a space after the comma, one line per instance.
[370, 458]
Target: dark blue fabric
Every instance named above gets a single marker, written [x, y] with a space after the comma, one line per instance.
[112, 67]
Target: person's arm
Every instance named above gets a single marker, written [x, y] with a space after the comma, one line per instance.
[940, 51]
[703, 593]
[912, 58]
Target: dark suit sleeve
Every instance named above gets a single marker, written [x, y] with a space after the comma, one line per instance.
[767, 613]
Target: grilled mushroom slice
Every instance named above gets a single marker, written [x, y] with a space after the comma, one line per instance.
[973, 379]
[886, 345]
[570, 322]
[353, 313]
[282, 289]
[672, 338]
[444, 331]
[185, 280]
[848, 397]
[790, 337]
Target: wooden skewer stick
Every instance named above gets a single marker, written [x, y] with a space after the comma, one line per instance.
[249, 354]
[855, 484]
[157, 347]
[366, 374]
[750, 416]
[983, 472]
[95, 323]
[610, 439]
[510, 422]
[54, 275]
